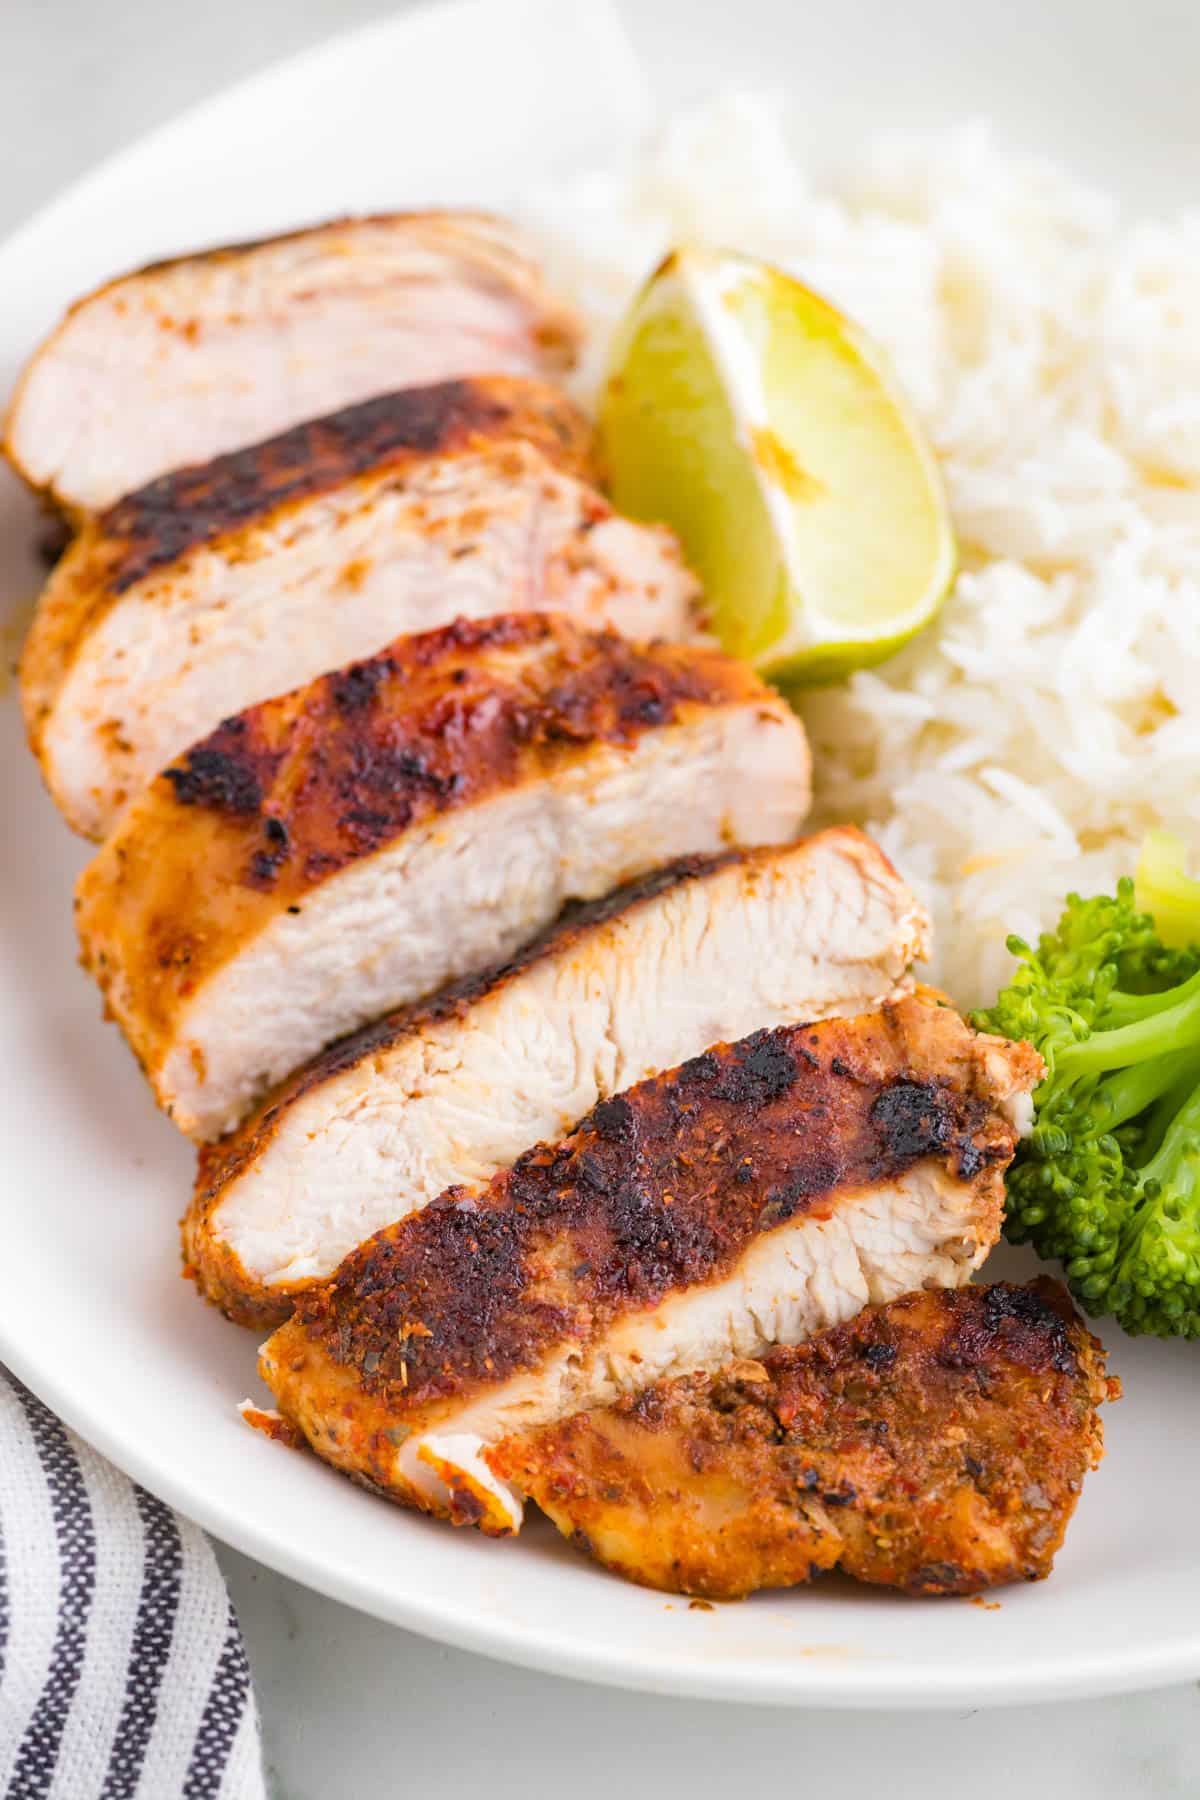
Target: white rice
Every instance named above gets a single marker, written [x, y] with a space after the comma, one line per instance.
[1023, 745]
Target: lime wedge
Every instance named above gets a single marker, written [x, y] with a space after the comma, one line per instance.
[1163, 888]
[747, 413]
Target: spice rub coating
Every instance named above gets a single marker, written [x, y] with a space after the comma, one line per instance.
[196, 505]
[453, 1090]
[221, 585]
[659, 1189]
[208, 503]
[756, 1193]
[192, 357]
[285, 795]
[286, 799]
[937, 1445]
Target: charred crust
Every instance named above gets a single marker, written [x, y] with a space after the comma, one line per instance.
[614, 1120]
[359, 756]
[1029, 1326]
[865, 1448]
[911, 1118]
[356, 687]
[1033, 1329]
[221, 779]
[758, 1069]
[266, 864]
[640, 1201]
[163, 521]
[790, 1197]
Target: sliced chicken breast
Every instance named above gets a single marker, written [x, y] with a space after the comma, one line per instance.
[452, 1092]
[757, 1194]
[396, 825]
[937, 1444]
[187, 359]
[219, 586]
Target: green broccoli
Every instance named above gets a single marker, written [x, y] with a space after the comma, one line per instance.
[1109, 1180]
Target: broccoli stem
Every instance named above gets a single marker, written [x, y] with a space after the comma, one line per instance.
[1177, 1152]
[1175, 1027]
[1131, 1091]
[1122, 1009]
[1174, 1096]
[1157, 1259]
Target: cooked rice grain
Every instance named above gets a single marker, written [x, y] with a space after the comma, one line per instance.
[1021, 746]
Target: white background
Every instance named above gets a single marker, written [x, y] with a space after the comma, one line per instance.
[353, 1707]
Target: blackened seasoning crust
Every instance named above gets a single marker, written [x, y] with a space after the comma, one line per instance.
[1018, 1319]
[161, 522]
[910, 1118]
[389, 741]
[763, 1068]
[936, 1445]
[357, 686]
[286, 795]
[219, 777]
[659, 1189]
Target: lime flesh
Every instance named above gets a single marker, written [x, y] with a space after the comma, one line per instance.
[745, 412]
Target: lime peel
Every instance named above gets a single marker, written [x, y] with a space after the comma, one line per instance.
[746, 412]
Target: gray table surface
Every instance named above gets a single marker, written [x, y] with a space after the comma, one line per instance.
[352, 1707]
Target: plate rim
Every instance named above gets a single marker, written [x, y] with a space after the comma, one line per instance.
[887, 1686]
[805, 1681]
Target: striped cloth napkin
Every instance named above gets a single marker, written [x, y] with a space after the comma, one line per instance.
[122, 1670]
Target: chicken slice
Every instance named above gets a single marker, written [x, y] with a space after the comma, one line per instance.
[222, 585]
[761, 1192]
[404, 822]
[617, 990]
[937, 1444]
[187, 359]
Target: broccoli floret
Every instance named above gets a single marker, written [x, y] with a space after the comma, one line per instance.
[1108, 1182]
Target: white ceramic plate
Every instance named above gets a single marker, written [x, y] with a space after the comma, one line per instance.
[469, 105]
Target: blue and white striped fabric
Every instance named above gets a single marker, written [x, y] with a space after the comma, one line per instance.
[122, 1670]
